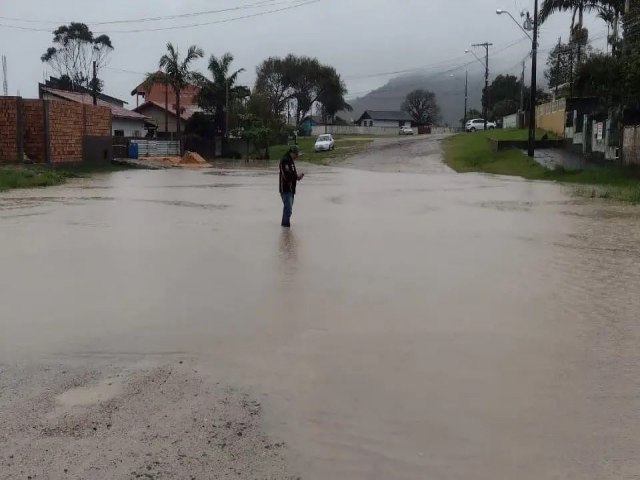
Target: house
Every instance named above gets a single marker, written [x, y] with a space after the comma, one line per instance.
[124, 123]
[162, 93]
[160, 105]
[374, 118]
[164, 119]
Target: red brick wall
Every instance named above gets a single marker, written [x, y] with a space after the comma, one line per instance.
[8, 130]
[98, 121]
[66, 128]
[34, 138]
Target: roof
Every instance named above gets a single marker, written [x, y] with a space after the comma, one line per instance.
[187, 110]
[78, 97]
[58, 84]
[392, 116]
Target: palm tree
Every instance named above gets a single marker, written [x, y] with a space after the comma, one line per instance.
[608, 10]
[216, 95]
[178, 73]
[159, 77]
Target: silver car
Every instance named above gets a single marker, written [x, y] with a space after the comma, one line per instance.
[324, 143]
[478, 124]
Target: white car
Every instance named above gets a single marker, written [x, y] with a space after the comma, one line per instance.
[324, 143]
[406, 131]
[478, 124]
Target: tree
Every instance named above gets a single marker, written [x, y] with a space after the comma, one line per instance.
[558, 71]
[178, 72]
[74, 52]
[422, 106]
[218, 94]
[504, 92]
[303, 82]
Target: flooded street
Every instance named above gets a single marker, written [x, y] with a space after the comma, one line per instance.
[414, 323]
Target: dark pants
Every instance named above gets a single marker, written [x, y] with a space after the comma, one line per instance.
[287, 210]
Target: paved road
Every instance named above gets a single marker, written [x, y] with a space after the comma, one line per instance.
[414, 323]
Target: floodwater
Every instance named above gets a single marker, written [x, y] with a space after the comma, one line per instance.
[413, 324]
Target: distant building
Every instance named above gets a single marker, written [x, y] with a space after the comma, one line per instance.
[124, 123]
[374, 118]
[159, 104]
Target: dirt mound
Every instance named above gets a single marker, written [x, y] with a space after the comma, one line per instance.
[194, 159]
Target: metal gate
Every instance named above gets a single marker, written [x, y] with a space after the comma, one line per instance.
[157, 148]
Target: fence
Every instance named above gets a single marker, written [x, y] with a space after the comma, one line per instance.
[631, 145]
[551, 116]
[356, 130]
[157, 148]
[51, 131]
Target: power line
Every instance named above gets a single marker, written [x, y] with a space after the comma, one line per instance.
[215, 22]
[175, 27]
[146, 19]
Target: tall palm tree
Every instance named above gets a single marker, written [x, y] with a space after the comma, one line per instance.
[608, 10]
[216, 95]
[159, 77]
[178, 73]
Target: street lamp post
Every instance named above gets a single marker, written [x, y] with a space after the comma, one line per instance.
[534, 61]
[486, 46]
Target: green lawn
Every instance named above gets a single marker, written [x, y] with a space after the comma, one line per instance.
[471, 152]
[31, 176]
[345, 146]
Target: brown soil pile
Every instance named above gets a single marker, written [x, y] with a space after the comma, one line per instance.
[193, 159]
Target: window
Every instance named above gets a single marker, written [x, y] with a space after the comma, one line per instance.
[137, 134]
[118, 133]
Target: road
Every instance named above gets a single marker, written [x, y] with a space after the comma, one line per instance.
[414, 323]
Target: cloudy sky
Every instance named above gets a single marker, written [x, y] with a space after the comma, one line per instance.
[366, 40]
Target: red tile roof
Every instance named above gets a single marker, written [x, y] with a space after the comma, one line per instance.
[78, 97]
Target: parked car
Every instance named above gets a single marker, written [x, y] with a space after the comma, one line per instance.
[406, 131]
[324, 143]
[478, 124]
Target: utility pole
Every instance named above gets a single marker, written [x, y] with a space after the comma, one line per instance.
[534, 62]
[226, 110]
[5, 85]
[486, 46]
[521, 115]
[95, 84]
[466, 91]
[557, 79]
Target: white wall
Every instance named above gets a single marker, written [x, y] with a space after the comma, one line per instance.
[510, 121]
[131, 127]
[355, 130]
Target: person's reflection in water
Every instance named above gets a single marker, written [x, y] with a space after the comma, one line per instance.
[288, 254]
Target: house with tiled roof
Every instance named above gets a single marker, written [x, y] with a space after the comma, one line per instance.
[159, 104]
[124, 122]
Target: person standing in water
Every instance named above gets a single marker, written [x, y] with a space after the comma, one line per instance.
[289, 178]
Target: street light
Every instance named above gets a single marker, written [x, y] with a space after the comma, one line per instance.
[474, 54]
[500, 12]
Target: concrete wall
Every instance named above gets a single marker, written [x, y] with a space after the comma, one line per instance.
[631, 145]
[8, 129]
[510, 121]
[551, 116]
[355, 130]
[130, 127]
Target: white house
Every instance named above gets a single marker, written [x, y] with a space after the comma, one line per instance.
[124, 123]
[374, 118]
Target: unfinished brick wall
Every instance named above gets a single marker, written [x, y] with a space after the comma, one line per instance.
[8, 129]
[34, 136]
[66, 127]
[67, 124]
[98, 121]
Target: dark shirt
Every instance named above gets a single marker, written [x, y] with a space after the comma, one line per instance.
[288, 175]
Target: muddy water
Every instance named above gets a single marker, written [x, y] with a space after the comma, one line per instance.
[413, 324]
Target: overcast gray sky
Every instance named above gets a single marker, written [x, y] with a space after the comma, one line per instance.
[363, 39]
